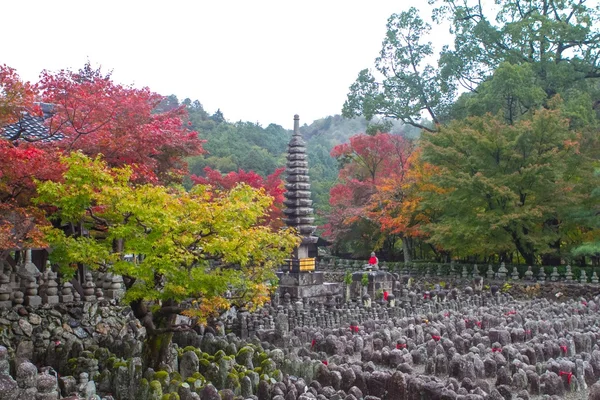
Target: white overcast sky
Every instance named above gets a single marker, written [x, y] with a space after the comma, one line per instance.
[257, 60]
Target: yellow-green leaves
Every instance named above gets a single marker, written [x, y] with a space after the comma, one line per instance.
[196, 244]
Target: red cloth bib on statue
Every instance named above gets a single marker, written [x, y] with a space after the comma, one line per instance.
[373, 260]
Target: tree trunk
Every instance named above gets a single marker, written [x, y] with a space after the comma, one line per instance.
[159, 333]
[157, 349]
[553, 258]
[406, 250]
[525, 249]
[526, 252]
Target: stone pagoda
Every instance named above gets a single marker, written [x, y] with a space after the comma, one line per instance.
[298, 276]
[298, 211]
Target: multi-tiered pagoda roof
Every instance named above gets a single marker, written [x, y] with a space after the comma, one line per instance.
[298, 211]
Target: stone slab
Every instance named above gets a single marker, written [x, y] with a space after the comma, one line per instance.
[33, 301]
[300, 278]
[317, 292]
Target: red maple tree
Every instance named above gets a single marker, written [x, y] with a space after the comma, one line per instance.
[93, 114]
[368, 164]
[16, 97]
[272, 185]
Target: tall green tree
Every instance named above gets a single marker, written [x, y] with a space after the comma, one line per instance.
[410, 86]
[590, 215]
[508, 187]
[539, 46]
[559, 37]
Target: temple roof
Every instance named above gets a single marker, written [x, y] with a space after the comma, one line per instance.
[31, 128]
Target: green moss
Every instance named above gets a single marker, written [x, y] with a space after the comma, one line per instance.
[241, 369]
[87, 354]
[262, 356]
[161, 375]
[156, 388]
[277, 375]
[176, 376]
[203, 366]
[119, 364]
[232, 381]
[170, 396]
[219, 354]
[189, 348]
[197, 375]
[268, 366]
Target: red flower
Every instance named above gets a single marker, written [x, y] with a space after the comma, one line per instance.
[569, 375]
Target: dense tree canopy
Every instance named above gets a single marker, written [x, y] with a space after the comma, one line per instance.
[367, 162]
[97, 116]
[508, 187]
[200, 244]
[272, 185]
[511, 111]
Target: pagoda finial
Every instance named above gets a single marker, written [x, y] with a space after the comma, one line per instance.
[296, 124]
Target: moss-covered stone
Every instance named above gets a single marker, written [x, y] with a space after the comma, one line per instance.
[111, 361]
[162, 377]
[219, 354]
[277, 375]
[203, 366]
[155, 390]
[198, 375]
[240, 369]
[268, 366]
[231, 349]
[143, 391]
[259, 357]
[176, 376]
[212, 374]
[244, 357]
[173, 385]
[232, 381]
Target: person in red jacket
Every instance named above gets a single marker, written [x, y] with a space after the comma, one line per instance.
[373, 260]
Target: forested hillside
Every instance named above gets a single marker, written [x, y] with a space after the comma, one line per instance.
[247, 146]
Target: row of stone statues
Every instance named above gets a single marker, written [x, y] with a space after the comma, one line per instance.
[26, 285]
[440, 270]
